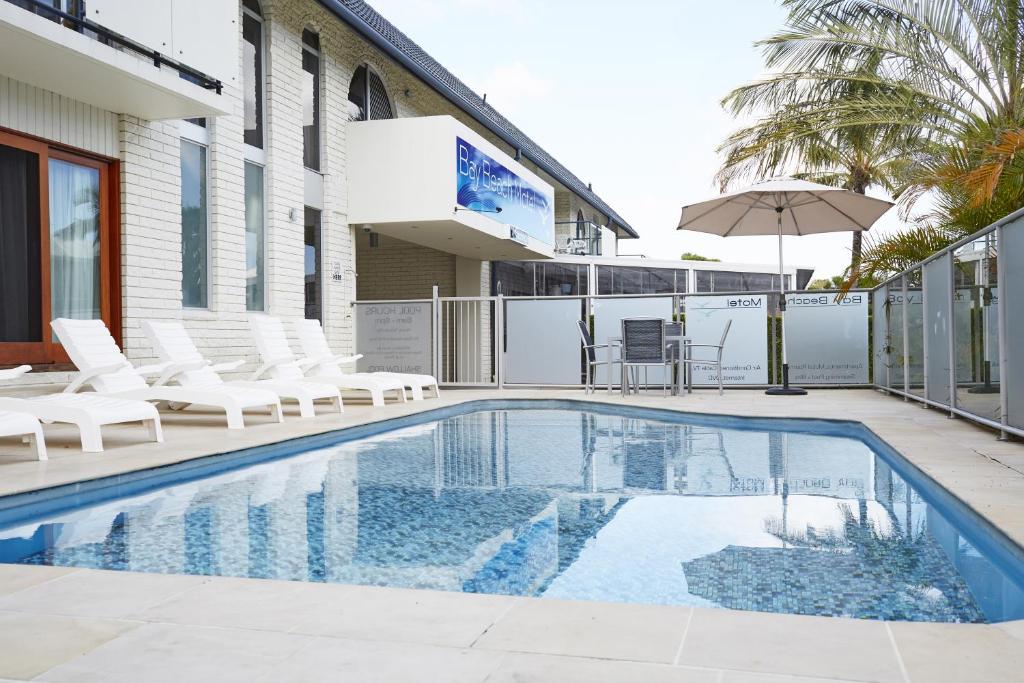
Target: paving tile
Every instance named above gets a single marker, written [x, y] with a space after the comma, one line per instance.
[155, 653]
[422, 616]
[339, 659]
[528, 668]
[953, 652]
[34, 643]
[748, 677]
[93, 593]
[233, 603]
[647, 633]
[827, 647]
[17, 577]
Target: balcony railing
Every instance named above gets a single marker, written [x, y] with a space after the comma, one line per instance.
[578, 238]
[75, 19]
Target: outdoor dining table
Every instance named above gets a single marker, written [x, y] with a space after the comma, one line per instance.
[684, 344]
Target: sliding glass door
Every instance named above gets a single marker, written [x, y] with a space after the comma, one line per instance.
[57, 254]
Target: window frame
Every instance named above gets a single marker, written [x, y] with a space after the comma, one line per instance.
[47, 351]
[263, 212]
[200, 135]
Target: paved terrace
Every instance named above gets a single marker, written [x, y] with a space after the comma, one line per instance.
[64, 624]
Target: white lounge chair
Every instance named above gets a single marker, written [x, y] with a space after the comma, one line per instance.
[25, 426]
[88, 412]
[280, 363]
[315, 347]
[188, 368]
[102, 366]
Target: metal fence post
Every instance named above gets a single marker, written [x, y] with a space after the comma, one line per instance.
[906, 345]
[435, 332]
[499, 341]
[1004, 341]
[951, 300]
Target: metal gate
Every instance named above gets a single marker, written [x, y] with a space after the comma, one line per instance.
[467, 333]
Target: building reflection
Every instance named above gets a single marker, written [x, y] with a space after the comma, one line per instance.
[518, 502]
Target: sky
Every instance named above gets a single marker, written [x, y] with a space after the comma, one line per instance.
[626, 96]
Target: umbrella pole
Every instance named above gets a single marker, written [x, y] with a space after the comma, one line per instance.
[785, 389]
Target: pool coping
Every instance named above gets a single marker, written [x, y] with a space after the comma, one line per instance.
[913, 651]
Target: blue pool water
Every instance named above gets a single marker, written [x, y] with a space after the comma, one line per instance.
[555, 500]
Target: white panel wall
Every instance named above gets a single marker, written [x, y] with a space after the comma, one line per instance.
[38, 112]
[190, 31]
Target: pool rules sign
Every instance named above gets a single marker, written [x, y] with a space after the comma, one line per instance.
[827, 337]
[394, 337]
[745, 358]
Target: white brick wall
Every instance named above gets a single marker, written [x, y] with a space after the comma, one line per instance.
[150, 193]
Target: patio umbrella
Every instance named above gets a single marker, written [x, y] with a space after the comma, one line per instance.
[784, 206]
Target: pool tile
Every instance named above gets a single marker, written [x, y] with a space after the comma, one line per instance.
[169, 653]
[431, 617]
[646, 633]
[829, 647]
[18, 577]
[34, 643]
[525, 668]
[951, 652]
[92, 593]
[368, 662]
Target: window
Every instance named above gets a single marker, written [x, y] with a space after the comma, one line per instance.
[729, 281]
[254, 238]
[252, 73]
[314, 278]
[513, 278]
[636, 280]
[58, 252]
[311, 100]
[561, 279]
[194, 227]
[367, 92]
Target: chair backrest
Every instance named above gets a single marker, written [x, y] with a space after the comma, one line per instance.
[174, 345]
[313, 340]
[643, 340]
[725, 332]
[272, 343]
[90, 346]
[588, 341]
[316, 348]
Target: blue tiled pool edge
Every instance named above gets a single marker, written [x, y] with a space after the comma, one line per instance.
[985, 536]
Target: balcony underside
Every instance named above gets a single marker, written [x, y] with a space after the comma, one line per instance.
[457, 238]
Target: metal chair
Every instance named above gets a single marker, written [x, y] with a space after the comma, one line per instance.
[643, 346]
[590, 348]
[718, 362]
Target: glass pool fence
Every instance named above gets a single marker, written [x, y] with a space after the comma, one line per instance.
[939, 333]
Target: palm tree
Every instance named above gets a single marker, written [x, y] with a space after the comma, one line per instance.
[792, 140]
[945, 76]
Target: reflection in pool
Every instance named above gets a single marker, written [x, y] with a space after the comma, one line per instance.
[567, 504]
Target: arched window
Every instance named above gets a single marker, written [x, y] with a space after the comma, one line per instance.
[368, 93]
[581, 225]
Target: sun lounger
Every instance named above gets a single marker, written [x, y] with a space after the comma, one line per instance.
[102, 366]
[326, 364]
[188, 368]
[88, 412]
[280, 363]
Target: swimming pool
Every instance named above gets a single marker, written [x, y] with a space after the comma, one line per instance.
[555, 499]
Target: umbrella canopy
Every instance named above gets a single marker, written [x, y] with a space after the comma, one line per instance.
[806, 209]
[784, 206]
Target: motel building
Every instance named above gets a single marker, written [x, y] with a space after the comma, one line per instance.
[209, 161]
